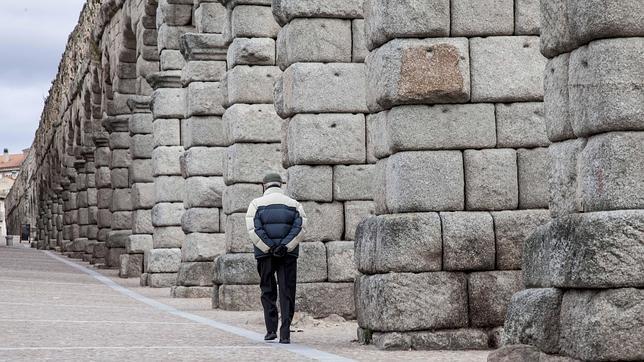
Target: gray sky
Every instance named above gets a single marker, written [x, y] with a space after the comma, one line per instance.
[33, 34]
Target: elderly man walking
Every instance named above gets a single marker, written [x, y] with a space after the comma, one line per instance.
[276, 224]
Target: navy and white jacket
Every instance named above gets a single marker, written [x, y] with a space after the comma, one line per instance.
[275, 219]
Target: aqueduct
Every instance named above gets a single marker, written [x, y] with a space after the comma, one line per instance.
[427, 140]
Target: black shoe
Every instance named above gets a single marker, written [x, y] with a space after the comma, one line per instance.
[270, 336]
[285, 341]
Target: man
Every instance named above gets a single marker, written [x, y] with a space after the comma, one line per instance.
[276, 224]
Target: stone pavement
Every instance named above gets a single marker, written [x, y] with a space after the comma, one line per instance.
[53, 311]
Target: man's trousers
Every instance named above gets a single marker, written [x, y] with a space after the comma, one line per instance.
[285, 269]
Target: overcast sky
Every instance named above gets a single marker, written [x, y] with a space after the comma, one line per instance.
[33, 34]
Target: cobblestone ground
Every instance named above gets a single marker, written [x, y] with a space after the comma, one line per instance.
[53, 311]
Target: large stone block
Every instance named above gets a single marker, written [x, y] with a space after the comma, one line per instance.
[239, 297]
[203, 70]
[590, 250]
[178, 291]
[326, 139]
[202, 247]
[359, 50]
[424, 181]
[204, 192]
[507, 69]
[236, 269]
[130, 265]
[321, 88]
[250, 21]
[120, 178]
[169, 189]
[166, 161]
[482, 18]
[203, 131]
[121, 200]
[251, 51]
[142, 222]
[210, 17]
[603, 325]
[423, 301]
[167, 237]
[141, 123]
[237, 197]
[203, 161]
[605, 86]
[285, 10]
[249, 162]
[353, 182]
[512, 228]
[556, 99]
[310, 183]
[354, 213]
[252, 123]
[418, 71]
[169, 103]
[449, 339]
[534, 172]
[325, 221]
[390, 19]
[167, 132]
[468, 241]
[196, 274]
[137, 244]
[204, 99]
[605, 19]
[142, 145]
[409, 242]
[200, 220]
[312, 263]
[556, 37]
[313, 299]
[564, 177]
[521, 125]
[237, 239]
[489, 294]
[120, 158]
[162, 260]
[173, 14]
[611, 178]
[533, 318]
[247, 84]
[161, 280]
[491, 181]
[314, 40]
[121, 220]
[167, 214]
[527, 17]
[340, 259]
[141, 171]
[115, 239]
[143, 195]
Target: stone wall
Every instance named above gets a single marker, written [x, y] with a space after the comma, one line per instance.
[166, 114]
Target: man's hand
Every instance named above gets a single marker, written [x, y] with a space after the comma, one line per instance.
[279, 250]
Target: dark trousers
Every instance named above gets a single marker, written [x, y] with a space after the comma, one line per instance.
[286, 270]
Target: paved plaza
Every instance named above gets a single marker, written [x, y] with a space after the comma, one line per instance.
[59, 309]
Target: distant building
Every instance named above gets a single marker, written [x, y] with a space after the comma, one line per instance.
[9, 170]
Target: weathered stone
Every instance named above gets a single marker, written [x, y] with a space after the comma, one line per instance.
[556, 37]
[340, 259]
[411, 128]
[203, 161]
[610, 178]
[251, 51]
[390, 19]
[247, 84]
[353, 182]
[564, 177]
[248, 21]
[161, 280]
[286, 10]
[556, 98]
[251, 123]
[534, 170]
[491, 179]
[178, 291]
[209, 17]
[515, 353]
[165, 161]
[423, 301]
[310, 183]
[312, 263]
[166, 132]
[418, 71]
[202, 247]
[506, 69]
[200, 220]
[359, 51]
[167, 214]
[141, 123]
[121, 200]
[236, 269]
[468, 241]
[314, 40]
[169, 103]
[204, 70]
[169, 37]
[117, 238]
[204, 99]
[203, 131]
[313, 299]
[204, 192]
[171, 60]
[325, 221]
[120, 178]
[489, 294]
[605, 19]
[141, 171]
[142, 222]
[237, 197]
[197, 274]
[250, 162]
[237, 239]
[173, 14]
[512, 228]
[239, 297]
[456, 339]
[321, 88]
[482, 18]
[594, 323]
[142, 145]
[162, 260]
[167, 237]
[441, 186]
[331, 139]
[130, 265]
[605, 84]
[589, 250]
[533, 318]
[138, 244]
[521, 125]
[354, 213]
